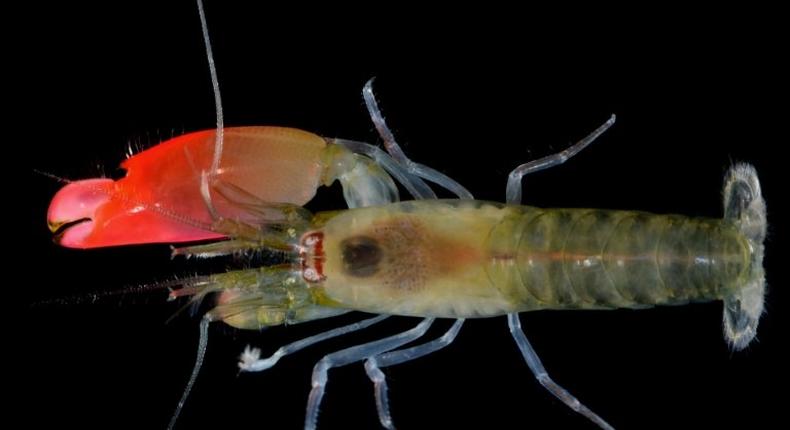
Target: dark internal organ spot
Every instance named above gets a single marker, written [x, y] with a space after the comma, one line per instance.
[361, 256]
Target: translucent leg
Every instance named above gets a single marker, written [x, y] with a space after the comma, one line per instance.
[514, 180]
[543, 377]
[374, 364]
[400, 157]
[201, 353]
[352, 355]
[250, 360]
[414, 185]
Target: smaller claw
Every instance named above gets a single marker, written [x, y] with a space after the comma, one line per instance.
[249, 357]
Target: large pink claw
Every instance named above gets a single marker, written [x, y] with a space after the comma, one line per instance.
[159, 200]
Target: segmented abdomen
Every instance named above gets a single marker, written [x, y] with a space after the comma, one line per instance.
[577, 258]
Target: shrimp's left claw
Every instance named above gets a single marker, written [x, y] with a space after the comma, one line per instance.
[159, 200]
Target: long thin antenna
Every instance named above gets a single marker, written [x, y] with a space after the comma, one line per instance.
[217, 97]
[98, 296]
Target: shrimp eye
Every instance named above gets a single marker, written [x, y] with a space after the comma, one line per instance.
[361, 256]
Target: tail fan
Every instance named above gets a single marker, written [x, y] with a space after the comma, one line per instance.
[744, 206]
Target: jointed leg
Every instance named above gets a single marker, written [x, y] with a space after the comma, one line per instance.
[250, 360]
[201, 353]
[374, 364]
[514, 180]
[531, 357]
[352, 355]
[400, 157]
[414, 185]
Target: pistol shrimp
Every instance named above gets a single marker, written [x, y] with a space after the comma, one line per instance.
[428, 258]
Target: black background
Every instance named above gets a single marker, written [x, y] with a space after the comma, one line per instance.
[472, 93]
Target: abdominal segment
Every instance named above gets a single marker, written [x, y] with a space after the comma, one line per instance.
[580, 258]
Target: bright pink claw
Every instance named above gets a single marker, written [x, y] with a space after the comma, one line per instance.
[159, 199]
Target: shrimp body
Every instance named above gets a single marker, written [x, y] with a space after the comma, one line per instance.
[428, 258]
[464, 259]
[469, 258]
